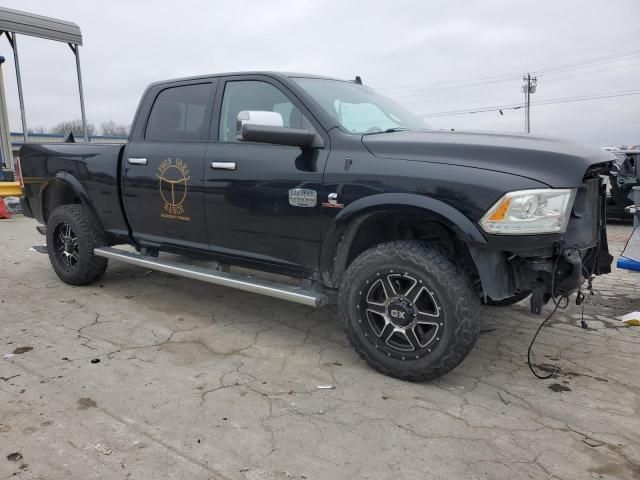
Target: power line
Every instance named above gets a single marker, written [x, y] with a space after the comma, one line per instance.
[430, 95]
[438, 97]
[493, 108]
[589, 72]
[480, 81]
[516, 106]
[587, 98]
[447, 82]
[589, 62]
[530, 85]
[437, 91]
[453, 87]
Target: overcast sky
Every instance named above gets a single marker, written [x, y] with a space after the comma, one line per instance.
[410, 50]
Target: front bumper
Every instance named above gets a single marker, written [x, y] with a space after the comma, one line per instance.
[560, 275]
[549, 265]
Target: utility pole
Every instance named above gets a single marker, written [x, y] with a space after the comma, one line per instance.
[528, 88]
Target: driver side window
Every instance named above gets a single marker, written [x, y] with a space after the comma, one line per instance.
[255, 95]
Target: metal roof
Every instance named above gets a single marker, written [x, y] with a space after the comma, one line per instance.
[38, 26]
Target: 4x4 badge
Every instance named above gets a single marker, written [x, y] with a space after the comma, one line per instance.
[332, 201]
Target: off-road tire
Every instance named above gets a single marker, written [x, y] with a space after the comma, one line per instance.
[450, 284]
[88, 267]
[505, 302]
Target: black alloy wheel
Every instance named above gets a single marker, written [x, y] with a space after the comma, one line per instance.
[65, 245]
[402, 313]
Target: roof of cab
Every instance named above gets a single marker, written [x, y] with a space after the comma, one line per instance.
[256, 72]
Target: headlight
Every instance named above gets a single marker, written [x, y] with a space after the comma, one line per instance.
[527, 212]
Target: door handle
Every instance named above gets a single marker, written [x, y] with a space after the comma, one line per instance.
[223, 165]
[137, 161]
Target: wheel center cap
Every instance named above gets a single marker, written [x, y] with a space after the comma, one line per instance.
[401, 312]
[67, 245]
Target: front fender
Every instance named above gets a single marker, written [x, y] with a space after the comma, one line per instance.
[451, 217]
[340, 234]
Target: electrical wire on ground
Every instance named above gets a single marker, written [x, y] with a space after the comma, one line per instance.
[558, 305]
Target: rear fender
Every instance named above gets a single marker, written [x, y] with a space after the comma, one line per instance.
[70, 182]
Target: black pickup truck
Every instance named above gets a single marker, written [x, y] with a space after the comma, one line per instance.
[328, 182]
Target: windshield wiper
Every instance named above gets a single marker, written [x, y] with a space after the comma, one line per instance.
[388, 130]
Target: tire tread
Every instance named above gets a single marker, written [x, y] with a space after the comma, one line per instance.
[90, 266]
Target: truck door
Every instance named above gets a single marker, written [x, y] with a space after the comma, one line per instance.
[263, 201]
[163, 167]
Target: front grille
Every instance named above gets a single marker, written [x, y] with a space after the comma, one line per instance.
[582, 231]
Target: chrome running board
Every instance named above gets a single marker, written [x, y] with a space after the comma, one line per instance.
[291, 293]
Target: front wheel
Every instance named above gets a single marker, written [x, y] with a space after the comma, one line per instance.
[72, 234]
[410, 311]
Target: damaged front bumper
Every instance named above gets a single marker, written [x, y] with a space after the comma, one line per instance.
[560, 275]
[549, 265]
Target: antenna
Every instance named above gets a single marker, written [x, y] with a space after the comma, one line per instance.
[358, 80]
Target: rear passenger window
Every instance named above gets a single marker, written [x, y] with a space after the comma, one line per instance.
[178, 114]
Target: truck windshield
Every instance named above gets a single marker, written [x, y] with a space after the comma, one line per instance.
[359, 109]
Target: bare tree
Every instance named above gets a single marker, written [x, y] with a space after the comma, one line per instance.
[113, 129]
[36, 130]
[74, 126]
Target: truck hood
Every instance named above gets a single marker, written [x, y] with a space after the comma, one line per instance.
[555, 162]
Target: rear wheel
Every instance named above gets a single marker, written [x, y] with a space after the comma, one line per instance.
[409, 311]
[72, 234]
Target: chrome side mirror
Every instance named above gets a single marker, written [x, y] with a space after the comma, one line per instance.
[257, 117]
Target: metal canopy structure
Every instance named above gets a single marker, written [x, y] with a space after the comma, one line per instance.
[14, 22]
[38, 26]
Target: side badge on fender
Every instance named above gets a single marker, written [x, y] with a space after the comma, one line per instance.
[302, 197]
[332, 201]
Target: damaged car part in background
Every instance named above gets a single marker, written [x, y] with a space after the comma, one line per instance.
[622, 179]
[331, 183]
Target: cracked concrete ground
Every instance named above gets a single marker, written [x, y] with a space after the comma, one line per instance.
[148, 376]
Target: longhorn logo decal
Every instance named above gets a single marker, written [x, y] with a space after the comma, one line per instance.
[173, 178]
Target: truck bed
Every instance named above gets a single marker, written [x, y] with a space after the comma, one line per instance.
[88, 168]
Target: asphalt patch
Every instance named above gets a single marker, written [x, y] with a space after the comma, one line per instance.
[556, 387]
[576, 374]
[21, 350]
[14, 457]
[86, 403]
